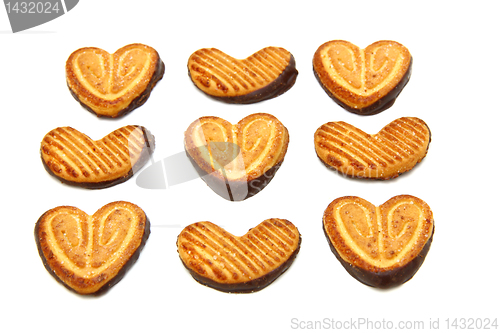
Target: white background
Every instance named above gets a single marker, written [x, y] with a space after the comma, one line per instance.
[453, 88]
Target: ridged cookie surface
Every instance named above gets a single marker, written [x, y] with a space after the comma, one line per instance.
[243, 264]
[265, 74]
[364, 81]
[76, 159]
[91, 253]
[380, 246]
[397, 148]
[237, 161]
[112, 85]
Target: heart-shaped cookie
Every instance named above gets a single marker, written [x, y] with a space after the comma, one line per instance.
[75, 159]
[363, 81]
[265, 74]
[237, 174]
[380, 246]
[225, 262]
[397, 148]
[91, 253]
[112, 85]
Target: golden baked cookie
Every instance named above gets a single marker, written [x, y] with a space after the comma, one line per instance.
[112, 85]
[75, 159]
[237, 161]
[265, 74]
[91, 253]
[397, 148]
[228, 263]
[364, 81]
[383, 246]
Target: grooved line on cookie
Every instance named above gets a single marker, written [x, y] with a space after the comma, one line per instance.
[212, 237]
[72, 150]
[67, 155]
[209, 66]
[367, 144]
[75, 148]
[245, 251]
[404, 142]
[235, 248]
[229, 65]
[262, 67]
[352, 144]
[400, 139]
[99, 159]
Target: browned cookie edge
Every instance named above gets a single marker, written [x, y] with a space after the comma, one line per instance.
[143, 159]
[379, 105]
[282, 84]
[249, 286]
[136, 102]
[384, 279]
[235, 190]
[121, 273]
[380, 178]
